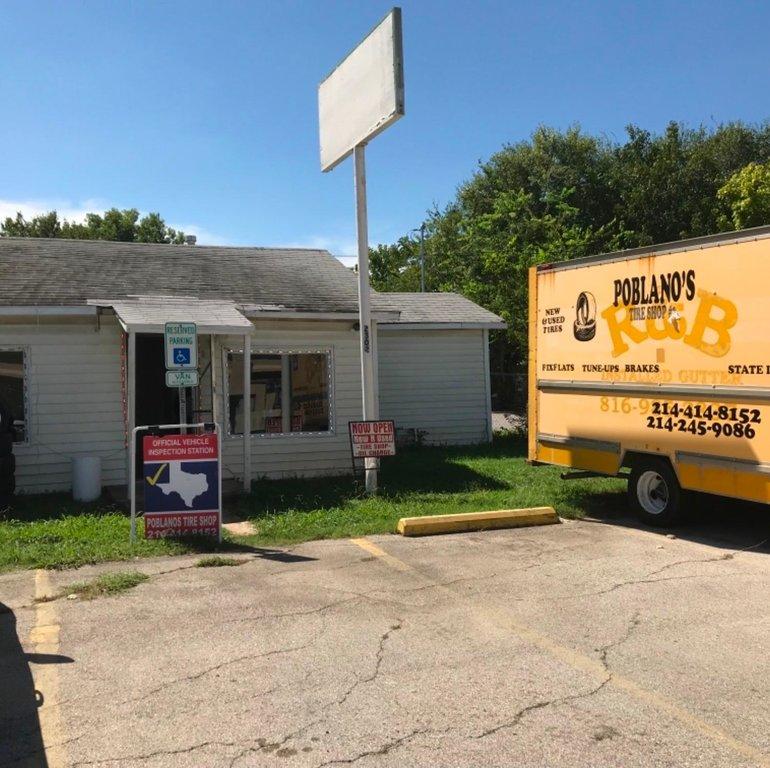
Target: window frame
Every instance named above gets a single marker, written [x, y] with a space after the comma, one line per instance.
[328, 351]
[25, 371]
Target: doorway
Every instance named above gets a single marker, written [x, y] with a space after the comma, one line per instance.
[155, 402]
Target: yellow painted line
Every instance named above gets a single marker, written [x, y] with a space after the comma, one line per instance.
[476, 521]
[373, 549]
[154, 479]
[586, 664]
[44, 637]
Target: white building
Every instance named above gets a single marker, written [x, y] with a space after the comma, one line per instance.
[81, 355]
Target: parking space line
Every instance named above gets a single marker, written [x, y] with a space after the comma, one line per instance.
[587, 664]
[373, 549]
[44, 636]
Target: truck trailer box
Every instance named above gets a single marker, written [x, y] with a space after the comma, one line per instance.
[656, 359]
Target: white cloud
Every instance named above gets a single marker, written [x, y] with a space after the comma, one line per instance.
[203, 235]
[76, 212]
[343, 248]
[65, 208]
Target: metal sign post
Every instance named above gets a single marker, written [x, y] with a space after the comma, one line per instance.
[183, 408]
[361, 97]
[364, 309]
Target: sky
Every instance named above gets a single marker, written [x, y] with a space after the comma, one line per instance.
[207, 111]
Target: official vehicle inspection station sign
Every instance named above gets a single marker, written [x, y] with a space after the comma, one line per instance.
[372, 439]
[181, 485]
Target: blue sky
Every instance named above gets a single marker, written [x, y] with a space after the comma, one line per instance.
[207, 112]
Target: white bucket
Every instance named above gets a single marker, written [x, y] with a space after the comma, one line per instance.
[86, 478]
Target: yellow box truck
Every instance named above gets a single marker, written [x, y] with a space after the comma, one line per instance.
[656, 360]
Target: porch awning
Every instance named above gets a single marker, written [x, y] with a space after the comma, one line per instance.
[149, 314]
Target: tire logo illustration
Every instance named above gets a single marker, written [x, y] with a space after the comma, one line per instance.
[585, 320]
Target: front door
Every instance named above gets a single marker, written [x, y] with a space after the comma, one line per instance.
[158, 404]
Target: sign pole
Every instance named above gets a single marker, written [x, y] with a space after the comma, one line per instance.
[183, 409]
[364, 309]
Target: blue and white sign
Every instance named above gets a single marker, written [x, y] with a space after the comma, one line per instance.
[181, 345]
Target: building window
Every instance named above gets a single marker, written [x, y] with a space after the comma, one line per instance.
[13, 391]
[290, 392]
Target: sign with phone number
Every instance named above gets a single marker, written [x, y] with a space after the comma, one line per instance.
[693, 418]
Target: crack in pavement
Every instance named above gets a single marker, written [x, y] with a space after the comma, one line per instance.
[377, 665]
[634, 582]
[519, 716]
[201, 673]
[724, 556]
[603, 651]
[160, 752]
[265, 746]
[288, 614]
[221, 665]
[387, 747]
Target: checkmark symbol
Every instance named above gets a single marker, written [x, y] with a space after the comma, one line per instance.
[154, 479]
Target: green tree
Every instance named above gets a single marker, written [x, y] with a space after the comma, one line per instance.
[746, 197]
[123, 226]
[564, 194]
[45, 225]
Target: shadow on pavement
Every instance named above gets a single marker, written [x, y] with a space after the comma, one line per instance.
[278, 555]
[712, 520]
[21, 741]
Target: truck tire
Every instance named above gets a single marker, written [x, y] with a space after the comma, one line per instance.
[6, 443]
[654, 493]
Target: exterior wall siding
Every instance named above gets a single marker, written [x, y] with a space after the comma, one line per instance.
[431, 380]
[435, 381]
[74, 402]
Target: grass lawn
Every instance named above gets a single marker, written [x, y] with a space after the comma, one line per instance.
[52, 531]
[425, 481]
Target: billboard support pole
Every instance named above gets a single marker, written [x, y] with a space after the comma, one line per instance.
[247, 411]
[364, 309]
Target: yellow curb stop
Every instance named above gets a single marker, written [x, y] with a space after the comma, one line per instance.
[476, 521]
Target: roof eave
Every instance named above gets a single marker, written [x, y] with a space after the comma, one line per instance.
[438, 326]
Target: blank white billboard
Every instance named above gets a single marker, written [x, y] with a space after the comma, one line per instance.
[364, 94]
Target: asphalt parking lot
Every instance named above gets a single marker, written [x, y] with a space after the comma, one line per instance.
[580, 644]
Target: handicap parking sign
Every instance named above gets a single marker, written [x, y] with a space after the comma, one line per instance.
[181, 355]
[181, 342]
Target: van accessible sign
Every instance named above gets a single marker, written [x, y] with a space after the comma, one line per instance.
[181, 345]
[372, 439]
[182, 492]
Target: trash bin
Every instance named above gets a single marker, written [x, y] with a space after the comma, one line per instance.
[86, 478]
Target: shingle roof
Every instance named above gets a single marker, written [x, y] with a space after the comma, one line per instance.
[54, 272]
[444, 308]
[59, 272]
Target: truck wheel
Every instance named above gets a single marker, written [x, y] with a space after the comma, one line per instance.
[654, 493]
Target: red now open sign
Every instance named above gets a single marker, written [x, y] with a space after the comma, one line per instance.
[372, 439]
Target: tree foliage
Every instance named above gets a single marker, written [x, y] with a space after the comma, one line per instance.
[124, 226]
[747, 196]
[565, 194]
